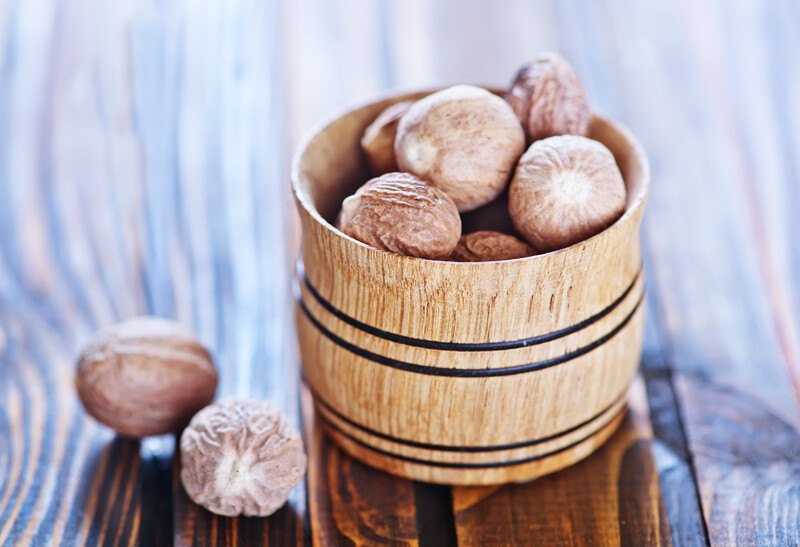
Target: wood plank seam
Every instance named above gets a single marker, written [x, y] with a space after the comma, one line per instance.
[658, 312]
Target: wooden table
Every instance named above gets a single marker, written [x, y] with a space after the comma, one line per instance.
[144, 153]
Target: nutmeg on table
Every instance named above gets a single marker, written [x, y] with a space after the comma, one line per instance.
[468, 143]
[151, 376]
[145, 376]
[241, 458]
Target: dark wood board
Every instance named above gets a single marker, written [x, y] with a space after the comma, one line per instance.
[144, 157]
[611, 497]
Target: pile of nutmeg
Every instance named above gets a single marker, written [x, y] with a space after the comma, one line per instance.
[455, 150]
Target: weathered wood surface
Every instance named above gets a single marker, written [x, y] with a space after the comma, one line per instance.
[144, 150]
[609, 498]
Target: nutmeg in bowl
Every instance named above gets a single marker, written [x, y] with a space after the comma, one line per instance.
[565, 190]
[548, 97]
[488, 245]
[378, 139]
[403, 214]
[463, 140]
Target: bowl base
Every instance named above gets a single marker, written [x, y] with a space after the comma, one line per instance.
[473, 468]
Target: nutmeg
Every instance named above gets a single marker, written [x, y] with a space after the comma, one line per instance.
[463, 140]
[487, 245]
[403, 214]
[241, 458]
[378, 139]
[549, 99]
[145, 376]
[565, 189]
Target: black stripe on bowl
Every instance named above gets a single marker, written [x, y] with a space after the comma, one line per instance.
[462, 346]
[475, 465]
[465, 372]
[451, 448]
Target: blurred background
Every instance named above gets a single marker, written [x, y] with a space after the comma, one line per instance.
[145, 148]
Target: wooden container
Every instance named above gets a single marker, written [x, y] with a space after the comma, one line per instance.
[464, 373]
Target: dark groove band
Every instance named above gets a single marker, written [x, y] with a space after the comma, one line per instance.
[462, 346]
[467, 373]
[451, 448]
[477, 465]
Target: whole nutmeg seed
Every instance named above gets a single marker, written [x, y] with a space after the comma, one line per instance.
[241, 458]
[487, 245]
[145, 376]
[549, 99]
[378, 139]
[464, 140]
[403, 214]
[565, 189]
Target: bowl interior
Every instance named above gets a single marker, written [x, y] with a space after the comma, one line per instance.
[330, 165]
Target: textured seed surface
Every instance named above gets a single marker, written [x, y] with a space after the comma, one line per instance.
[145, 376]
[241, 458]
[464, 140]
[403, 214]
[487, 245]
[378, 139]
[549, 99]
[565, 189]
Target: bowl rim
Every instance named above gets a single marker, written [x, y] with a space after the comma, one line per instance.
[398, 95]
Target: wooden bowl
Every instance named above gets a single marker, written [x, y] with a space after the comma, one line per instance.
[464, 373]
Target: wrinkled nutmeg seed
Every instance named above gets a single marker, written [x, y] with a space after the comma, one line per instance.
[403, 214]
[487, 245]
[378, 139]
[549, 99]
[145, 376]
[565, 189]
[463, 140]
[241, 458]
